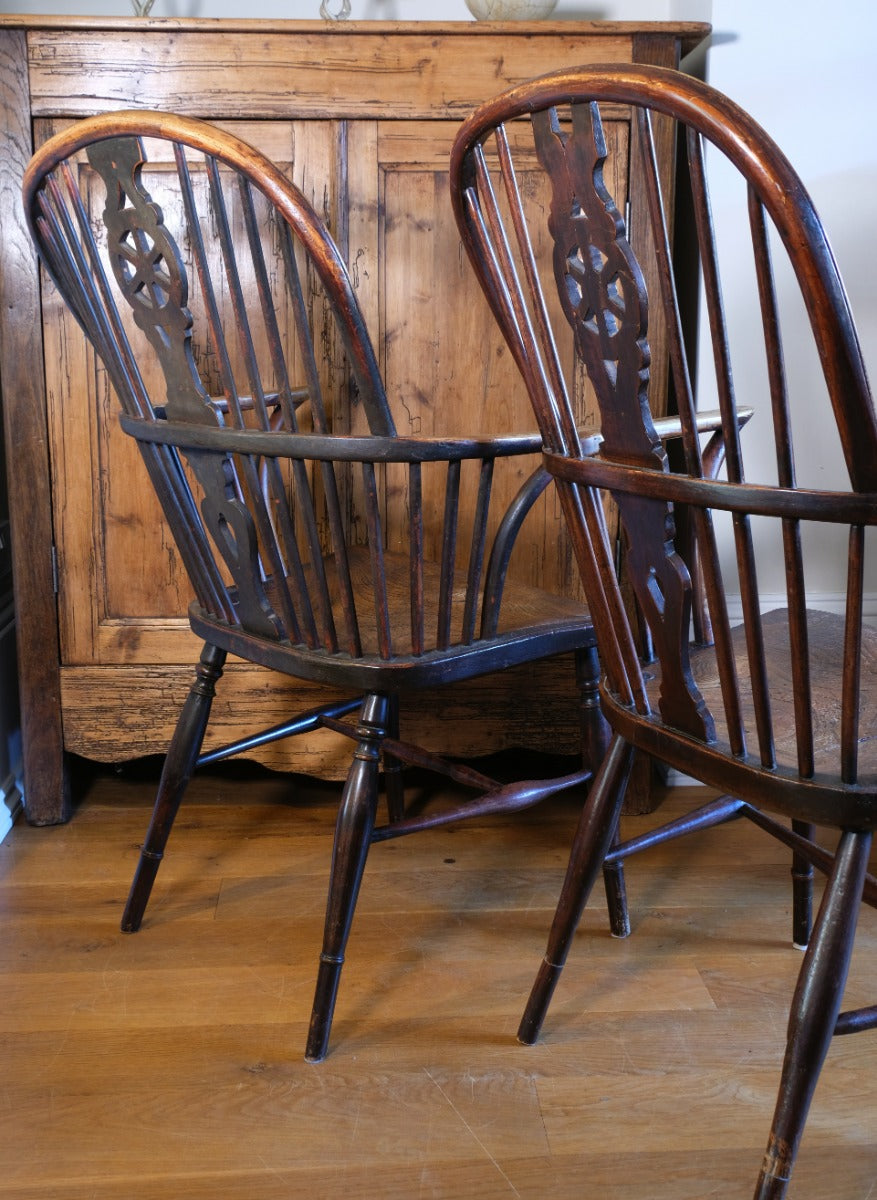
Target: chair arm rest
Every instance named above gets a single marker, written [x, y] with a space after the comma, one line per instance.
[709, 421]
[327, 447]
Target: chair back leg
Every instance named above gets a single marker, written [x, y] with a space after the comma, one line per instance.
[177, 771]
[616, 890]
[802, 889]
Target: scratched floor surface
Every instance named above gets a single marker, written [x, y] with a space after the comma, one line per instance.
[168, 1065]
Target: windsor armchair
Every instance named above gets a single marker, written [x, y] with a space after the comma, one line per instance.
[227, 325]
[778, 712]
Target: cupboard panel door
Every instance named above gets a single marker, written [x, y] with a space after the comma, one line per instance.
[447, 367]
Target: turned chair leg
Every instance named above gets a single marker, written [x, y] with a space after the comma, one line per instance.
[593, 837]
[814, 1012]
[353, 830]
[177, 771]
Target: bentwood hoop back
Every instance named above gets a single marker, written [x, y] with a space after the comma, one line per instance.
[779, 712]
[224, 316]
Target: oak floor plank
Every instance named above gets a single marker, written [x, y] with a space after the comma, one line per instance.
[89, 1061]
[169, 1064]
[668, 1175]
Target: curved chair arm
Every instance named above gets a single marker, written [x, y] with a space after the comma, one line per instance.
[709, 421]
[327, 447]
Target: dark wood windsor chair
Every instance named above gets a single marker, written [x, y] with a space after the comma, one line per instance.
[778, 713]
[228, 352]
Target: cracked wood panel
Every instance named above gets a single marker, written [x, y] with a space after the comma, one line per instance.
[315, 72]
[475, 716]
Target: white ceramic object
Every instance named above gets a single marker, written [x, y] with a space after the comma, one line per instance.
[510, 10]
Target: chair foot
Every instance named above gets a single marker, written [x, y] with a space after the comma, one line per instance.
[141, 888]
[616, 898]
[537, 1005]
[178, 766]
[325, 995]
[596, 829]
[616, 890]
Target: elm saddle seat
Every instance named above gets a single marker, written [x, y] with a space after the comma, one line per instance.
[234, 337]
[778, 713]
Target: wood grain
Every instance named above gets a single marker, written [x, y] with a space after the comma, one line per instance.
[475, 714]
[169, 1063]
[364, 113]
[350, 73]
[24, 415]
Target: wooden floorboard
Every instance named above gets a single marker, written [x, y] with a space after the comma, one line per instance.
[169, 1064]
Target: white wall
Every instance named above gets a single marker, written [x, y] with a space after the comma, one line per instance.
[384, 10]
[809, 81]
[807, 77]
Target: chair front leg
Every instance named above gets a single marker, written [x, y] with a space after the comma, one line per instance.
[814, 1012]
[353, 830]
[593, 838]
[178, 766]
